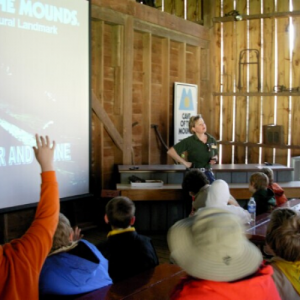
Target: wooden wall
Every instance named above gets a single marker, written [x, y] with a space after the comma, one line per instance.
[138, 52]
[243, 107]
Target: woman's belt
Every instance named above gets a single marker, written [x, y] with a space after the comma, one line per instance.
[204, 169]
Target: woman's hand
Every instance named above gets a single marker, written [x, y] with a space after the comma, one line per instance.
[188, 164]
[213, 160]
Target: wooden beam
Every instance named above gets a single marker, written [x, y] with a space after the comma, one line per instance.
[258, 16]
[171, 34]
[251, 94]
[108, 124]
[149, 14]
[249, 144]
[107, 15]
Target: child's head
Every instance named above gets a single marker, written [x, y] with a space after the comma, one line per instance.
[283, 234]
[120, 212]
[64, 233]
[212, 245]
[194, 180]
[269, 173]
[258, 181]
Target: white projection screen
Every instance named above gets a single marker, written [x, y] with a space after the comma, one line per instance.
[44, 89]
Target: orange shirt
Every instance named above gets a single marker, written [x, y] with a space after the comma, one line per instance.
[260, 286]
[280, 197]
[21, 260]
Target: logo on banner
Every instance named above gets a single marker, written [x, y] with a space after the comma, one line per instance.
[186, 100]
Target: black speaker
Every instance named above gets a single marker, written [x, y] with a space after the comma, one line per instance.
[273, 134]
[147, 2]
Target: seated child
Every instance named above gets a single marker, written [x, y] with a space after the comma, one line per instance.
[283, 239]
[128, 252]
[263, 196]
[73, 266]
[275, 187]
[197, 185]
[218, 196]
[220, 261]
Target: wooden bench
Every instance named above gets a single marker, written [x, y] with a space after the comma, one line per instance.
[154, 284]
[174, 174]
[174, 192]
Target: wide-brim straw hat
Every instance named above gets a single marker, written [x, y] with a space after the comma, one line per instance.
[212, 245]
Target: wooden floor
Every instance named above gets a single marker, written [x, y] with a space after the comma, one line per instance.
[159, 240]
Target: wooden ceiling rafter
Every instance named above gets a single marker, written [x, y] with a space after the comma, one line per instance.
[258, 16]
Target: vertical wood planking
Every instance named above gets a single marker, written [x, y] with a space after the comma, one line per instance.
[128, 65]
[225, 122]
[158, 4]
[117, 39]
[296, 82]
[241, 102]
[179, 8]
[182, 62]
[169, 6]
[209, 10]
[215, 77]
[166, 91]
[117, 61]
[97, 86]
[174, 77]
[194, 11]
[146, 115]
[283, 76]
[109, 148]
[158, 115]
[268, 78]
[254, 82]
[138, 96]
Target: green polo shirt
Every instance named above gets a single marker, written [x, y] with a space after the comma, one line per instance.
[199, 153]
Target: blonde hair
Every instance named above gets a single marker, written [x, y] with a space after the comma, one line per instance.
[192, 122]
[259, 180]
[269, 173]
[283, 234]
[62, 234]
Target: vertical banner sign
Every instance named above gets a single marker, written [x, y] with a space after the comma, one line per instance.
[185, 106]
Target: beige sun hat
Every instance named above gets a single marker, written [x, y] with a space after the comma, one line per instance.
[212, 245]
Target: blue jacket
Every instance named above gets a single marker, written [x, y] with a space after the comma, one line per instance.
[80, 270]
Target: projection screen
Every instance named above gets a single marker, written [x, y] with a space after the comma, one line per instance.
[44, 89]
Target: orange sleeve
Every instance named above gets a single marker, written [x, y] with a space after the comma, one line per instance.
[37, 241]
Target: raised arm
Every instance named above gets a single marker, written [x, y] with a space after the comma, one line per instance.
[21, 260]
[172, 152]
[38, 238]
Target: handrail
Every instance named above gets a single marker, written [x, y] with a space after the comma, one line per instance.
[159, 136]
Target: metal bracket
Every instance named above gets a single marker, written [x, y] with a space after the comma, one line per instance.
[245, 62]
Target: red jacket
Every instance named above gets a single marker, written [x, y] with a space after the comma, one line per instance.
[279, 194]
[259, 286]
[22, 259]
